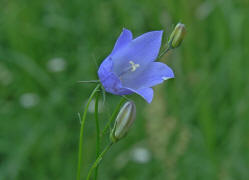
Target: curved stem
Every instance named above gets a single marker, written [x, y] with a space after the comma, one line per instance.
[113, 116]
[97, 130]
[82, 130]
[97, 161]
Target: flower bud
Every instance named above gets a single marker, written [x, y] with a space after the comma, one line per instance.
[123, 122]
[177, 35]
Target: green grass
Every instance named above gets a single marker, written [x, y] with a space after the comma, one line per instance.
[197, 126]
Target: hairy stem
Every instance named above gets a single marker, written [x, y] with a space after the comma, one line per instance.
[82, 131]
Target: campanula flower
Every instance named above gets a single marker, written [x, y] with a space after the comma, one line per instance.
[131, 66]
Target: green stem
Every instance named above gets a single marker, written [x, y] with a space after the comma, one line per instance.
[98, 131]
[91, 81]
[82, 130]
[113, 116]
[97, 161]
[165, 51]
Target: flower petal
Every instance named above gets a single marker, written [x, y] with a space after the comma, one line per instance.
[146, 47]
[142, 50]
[146, 93]
[109, 80]
[155, 73]
[113, 85]
[124, 38]
[105, 69]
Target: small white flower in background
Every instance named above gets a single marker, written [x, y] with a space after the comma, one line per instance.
[29, 100]
[56, 65]
[140, 155]
[91, 108]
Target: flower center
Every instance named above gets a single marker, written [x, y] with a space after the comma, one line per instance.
[134, 66]
[131, 68]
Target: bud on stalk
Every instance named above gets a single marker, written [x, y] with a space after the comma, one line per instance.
[177, 36]
[123, 122]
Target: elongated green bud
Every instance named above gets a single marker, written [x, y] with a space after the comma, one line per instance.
[123, 122]
[177, 35]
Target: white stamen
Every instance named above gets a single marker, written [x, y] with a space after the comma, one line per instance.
[133, 66]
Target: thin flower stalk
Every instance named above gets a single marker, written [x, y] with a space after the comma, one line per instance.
[82, 131]
[113, 116]
[97, 131]
[97, 161]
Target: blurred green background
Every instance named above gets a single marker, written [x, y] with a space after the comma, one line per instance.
[196, 127]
